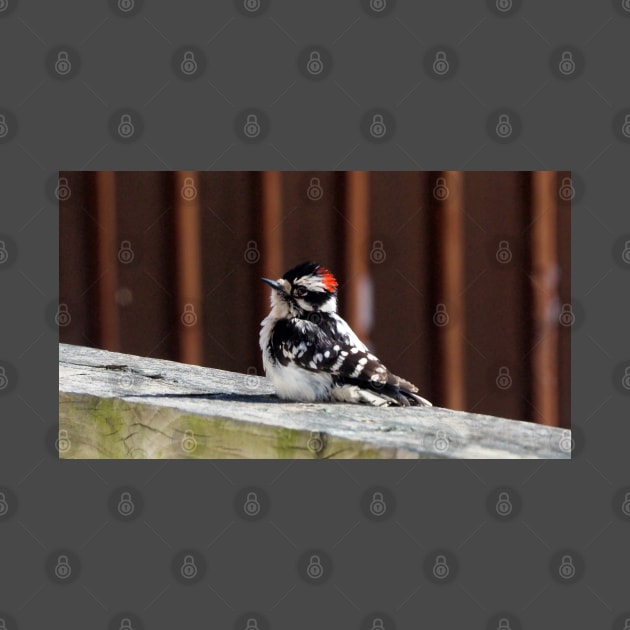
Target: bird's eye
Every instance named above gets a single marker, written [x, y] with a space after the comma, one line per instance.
[300, 292]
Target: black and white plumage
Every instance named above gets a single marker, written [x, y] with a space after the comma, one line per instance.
[311, 354]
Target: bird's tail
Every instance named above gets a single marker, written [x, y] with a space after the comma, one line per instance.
[408, 393]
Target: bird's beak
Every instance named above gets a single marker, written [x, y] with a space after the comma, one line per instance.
[274, 284]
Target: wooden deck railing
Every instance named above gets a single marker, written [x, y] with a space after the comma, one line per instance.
[117, 406]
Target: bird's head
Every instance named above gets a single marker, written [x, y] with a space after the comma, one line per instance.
[305, 289]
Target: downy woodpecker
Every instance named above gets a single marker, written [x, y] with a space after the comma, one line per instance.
[311, 354]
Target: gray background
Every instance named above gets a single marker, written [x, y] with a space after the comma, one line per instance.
[129, 567]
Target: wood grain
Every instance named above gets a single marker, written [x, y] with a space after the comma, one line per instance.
[119, 406]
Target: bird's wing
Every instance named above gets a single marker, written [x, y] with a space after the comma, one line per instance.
[315, 347]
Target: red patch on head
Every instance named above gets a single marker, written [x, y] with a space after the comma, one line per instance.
[330, 284]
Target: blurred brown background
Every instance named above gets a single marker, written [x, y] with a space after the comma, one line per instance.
[458, 281]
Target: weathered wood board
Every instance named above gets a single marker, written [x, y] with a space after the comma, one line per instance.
[115, 406]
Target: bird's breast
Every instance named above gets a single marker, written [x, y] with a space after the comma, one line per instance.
[295, 383]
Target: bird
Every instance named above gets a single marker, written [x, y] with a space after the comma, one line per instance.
[311, 354]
